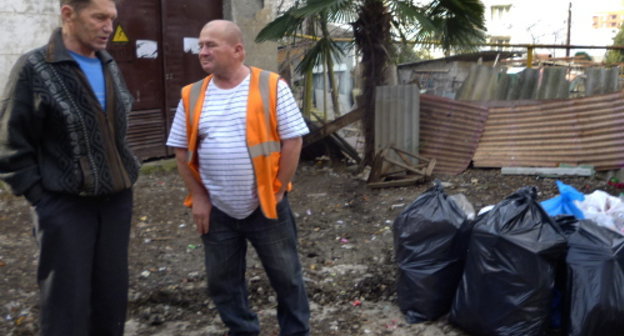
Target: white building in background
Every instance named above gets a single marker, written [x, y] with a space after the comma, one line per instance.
[25, 25]
[593, 23]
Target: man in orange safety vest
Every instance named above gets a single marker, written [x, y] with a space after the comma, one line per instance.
[237, 139]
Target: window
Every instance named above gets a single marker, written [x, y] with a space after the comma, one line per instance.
[501, 40]
[498, 12]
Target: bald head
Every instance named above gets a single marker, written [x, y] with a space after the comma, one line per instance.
[222, 52]
[227, 30]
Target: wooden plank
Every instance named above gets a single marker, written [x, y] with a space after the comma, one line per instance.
[430, 167]
[406, 167]
[403, 157]
[396, 183]
[377, 167]
[346, 148]
[333, 126]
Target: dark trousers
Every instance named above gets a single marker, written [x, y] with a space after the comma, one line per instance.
[275, 241]
[83, 263]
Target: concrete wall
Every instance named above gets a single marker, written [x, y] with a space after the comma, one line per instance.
[440, 78]
[252, 16]
[25, 25]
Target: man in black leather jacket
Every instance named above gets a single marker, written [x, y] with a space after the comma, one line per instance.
[63, 120]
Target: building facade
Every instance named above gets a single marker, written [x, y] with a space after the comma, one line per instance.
[155, 44]
[592, 23]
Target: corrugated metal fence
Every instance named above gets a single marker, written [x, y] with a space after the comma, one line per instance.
[397, 119]
[446, 129]
[582, 131]
[450, 132]
[486, 83]
[576, 131]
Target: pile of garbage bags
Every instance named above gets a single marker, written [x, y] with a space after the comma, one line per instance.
[518, 269]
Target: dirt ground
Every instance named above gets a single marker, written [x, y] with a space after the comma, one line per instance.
[346, 247]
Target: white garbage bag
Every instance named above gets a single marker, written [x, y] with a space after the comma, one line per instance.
[604, 209]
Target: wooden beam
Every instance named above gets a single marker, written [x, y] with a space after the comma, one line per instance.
[396, 183]
[333, 126]
[404, 166]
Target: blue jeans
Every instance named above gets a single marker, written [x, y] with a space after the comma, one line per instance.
[275, 242]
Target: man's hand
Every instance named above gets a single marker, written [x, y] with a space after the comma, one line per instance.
[291, 149]
[201, 198]
[201, 214]
[279, 196]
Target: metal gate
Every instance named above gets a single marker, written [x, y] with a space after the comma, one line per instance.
[155, 44]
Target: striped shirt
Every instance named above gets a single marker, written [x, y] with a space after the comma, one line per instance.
[224, 163]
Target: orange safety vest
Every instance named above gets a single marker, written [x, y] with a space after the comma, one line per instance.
[263, 142]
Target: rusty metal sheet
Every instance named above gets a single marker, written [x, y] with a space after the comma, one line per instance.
[149, 45]
[135, 26]
[184, 19]
[146, 133]
[182, 22]
[138, 28]
[581, 131]
[449, 132]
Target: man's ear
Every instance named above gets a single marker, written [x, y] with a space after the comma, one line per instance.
[67, 12]
[239, 49]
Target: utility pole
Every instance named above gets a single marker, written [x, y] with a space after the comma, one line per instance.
[569, 26]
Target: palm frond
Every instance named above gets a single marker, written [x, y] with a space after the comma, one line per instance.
[345, 12]
[316, 7]
[459, 24]
[316, 55]
[409, 17]
[283, 26]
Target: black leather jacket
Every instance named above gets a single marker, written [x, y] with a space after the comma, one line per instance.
[54, 135]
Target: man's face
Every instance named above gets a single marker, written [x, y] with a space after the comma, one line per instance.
[91, 27]
[216, 54]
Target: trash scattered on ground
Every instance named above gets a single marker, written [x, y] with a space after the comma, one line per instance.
[173, 301]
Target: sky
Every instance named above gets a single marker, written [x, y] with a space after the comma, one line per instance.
[545, 22]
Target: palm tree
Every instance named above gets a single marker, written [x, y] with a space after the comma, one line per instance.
[324, 50]
[615, 56]
[454, 24]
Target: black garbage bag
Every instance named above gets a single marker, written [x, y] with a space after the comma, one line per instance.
[509, 275]
[595, 281]
[568, 225]
[430, 247]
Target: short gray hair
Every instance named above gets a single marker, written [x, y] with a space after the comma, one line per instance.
[78, 5]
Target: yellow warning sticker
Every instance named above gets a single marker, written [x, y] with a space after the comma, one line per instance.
[120, 35]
